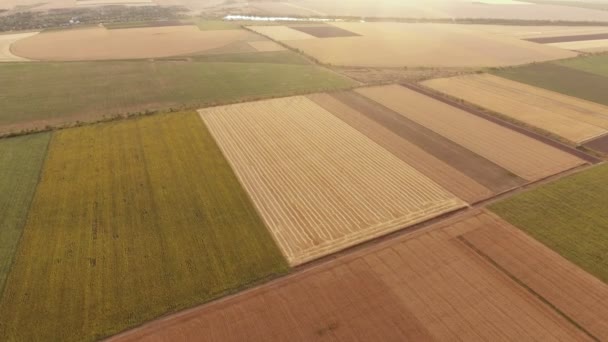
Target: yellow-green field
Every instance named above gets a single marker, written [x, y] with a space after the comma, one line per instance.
[131, 220]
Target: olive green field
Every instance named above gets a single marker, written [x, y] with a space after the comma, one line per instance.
[130, 220]
[37, 95]
[570, 216]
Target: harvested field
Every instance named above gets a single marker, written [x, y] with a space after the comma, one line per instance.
[485, 173]
[326, 31]
[319, 184]
[574, 222]
[420, 45]
[530, 32]
[266, 46]
[571, 118]
[280, 33]
[574, 77]
[113, 2]
[133, 43]
[60, 93]
[522, 155]
[431, 286]
[21, 160]
[585, 45]
[6, 42]
[564, 39]
[131, 220]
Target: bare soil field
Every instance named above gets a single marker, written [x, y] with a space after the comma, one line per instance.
[564, 39]
[484, 172]
[319, 184]
[326, 31]
[600, 45]
[439, 284]
[574, 119]
[134, 43]
[530, 32]
[439, 171]
[113, 2]
[281, 33]
[7, 40]
[520, 154]
[599, 144]
[416, 45]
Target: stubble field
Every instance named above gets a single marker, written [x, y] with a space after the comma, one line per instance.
[574, 119]
[6, 41]
[319, 184]
[131, 220]
[418, 287]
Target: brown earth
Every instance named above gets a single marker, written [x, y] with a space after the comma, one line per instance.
[319, 184]
[600, 144]
[100, 44]
[430, 285]
[325, 31]
[445, 175]
[474, 166]
[563, 39]
[518, 153]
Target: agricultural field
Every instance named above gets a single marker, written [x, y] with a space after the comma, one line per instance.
[21, 160]
[416, 287]
[522, 155]
[98, 43]
[131, 220]
[61, 92]
[319, 184]
[573, 119]
[412, 45]
[574, 222]
[6, 41]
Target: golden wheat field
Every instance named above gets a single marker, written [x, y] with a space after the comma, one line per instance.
[7, 41]
[571, 118]
[319, 184]
[522, 155]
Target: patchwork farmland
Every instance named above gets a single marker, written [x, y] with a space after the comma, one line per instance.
[417, 287]
[348, 191]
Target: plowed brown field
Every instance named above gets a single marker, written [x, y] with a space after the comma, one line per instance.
[522, 155]
[319, 184]
[571, 118]
[148, 42]
[281, 33]
[441, 172]
[431, 285]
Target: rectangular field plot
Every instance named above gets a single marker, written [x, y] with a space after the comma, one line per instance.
[21, 160]
[526, 157]
[320, 185]
[439, 285]
[568, 117]
[574, 220]
[131, 220]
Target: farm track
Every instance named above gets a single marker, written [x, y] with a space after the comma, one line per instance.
[476, 167]
[417, 286]
[445, 175]
[296, 161]
[574, 119]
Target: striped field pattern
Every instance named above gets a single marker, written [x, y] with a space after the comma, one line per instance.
[319, 184]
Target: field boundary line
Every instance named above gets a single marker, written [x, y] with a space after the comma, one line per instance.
[511, 276]
[504, 123]
[27, 217]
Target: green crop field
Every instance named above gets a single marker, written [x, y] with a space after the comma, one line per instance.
[565, 78]
[131, 220]
[570, 216]
[21, 159]
[35, 95]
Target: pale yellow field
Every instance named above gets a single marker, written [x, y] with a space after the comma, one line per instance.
[418, 45]
[522, 155]
[112, 2]
[599, 45]
[6, 41]
[319, 184]
[571, 118]
[281, 33]
[266, 46]
[527, 32]
[99, 43]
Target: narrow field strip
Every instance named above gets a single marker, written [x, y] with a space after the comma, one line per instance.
[320, 185]
[573, 119]
[445, 175]
[131, 220]
[21, 160]
[426, 286]
[522, 155]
